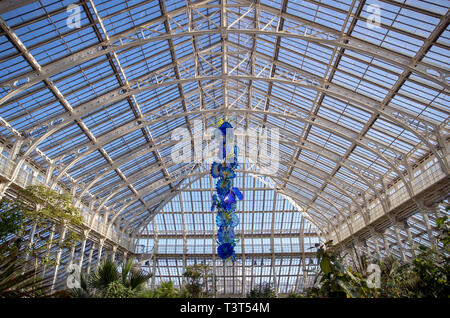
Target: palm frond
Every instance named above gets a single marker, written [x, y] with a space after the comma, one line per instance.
[126, 268]
[17, 277]
[137, 279]
[104, 275]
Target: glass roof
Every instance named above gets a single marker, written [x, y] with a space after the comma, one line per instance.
[91, 92]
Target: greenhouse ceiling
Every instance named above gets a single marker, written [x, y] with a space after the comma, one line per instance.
[92, 91]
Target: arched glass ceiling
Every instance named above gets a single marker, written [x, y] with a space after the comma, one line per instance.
[362, 110]
[274, 238]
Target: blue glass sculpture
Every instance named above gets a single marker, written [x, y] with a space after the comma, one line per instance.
[227, 195]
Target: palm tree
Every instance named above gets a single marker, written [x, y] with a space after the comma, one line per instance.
[133, 278]
[107, 277]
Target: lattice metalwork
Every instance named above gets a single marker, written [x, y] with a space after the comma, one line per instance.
[361, 105]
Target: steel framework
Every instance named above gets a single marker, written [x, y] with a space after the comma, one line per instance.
[361, 105]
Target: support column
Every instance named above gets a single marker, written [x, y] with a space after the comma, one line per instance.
[52, 233]
[356, 251]
[368, 252]
[386, 245]
[399, 241]
[100, 250]
[184, 236]
[3, 187]
[155, 252]
[72, 254]
[303, 258]
[412, 244]
[31, 239]
[49, 173]
[58, 256]
[375, 235]
[91, 252]
[272, 247]
[428, 227]
[113, 253]
[83, 247]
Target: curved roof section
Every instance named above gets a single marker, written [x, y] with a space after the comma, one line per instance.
[270, 227]
[357, 104]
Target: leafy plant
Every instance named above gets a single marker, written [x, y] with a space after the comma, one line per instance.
[427, 275]
[11, 219]
[45, 209]
[335, 280]
[196, 280]
[107, 281]
[167, 290]
[265, 290]
[443, 224]
[15, 279]
[84, 291]
[293, 294]
[117, 290]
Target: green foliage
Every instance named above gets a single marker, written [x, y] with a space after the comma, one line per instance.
[433, 272]
[107, 281]
[45, 209]
[11, 219]
[106, 274]
[117, 290]
[293, 294]
[133, 278]
[196, 280]
[146, 293]
[44, 205]
[443, 224]
[167, 290]
[84, 291]
[16, 279]
[265, 290]
[335, 279]
[427, 275]
[48, 210]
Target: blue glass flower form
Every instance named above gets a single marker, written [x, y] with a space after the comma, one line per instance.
[225, 250]
[229, 199]
[220, 219]
[234, 220]
[225, 234]
[216, 169]
[229, 235]
[214, 202]
[223, 186]
[227, 173]
[237, 193]
[221, 234]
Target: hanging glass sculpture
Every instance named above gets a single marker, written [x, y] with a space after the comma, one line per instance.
[227, 195]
